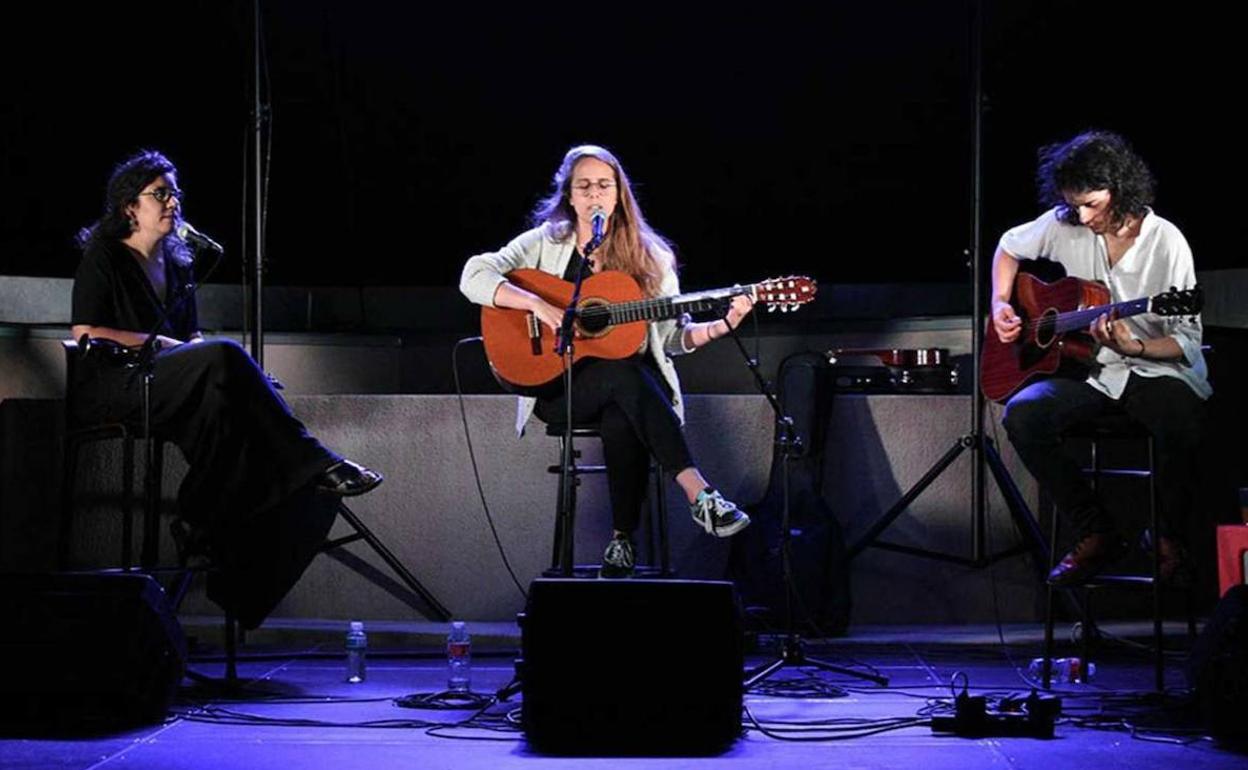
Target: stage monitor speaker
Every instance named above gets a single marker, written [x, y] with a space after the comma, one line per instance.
[1218, 667]
[631, 666]
[86, 652]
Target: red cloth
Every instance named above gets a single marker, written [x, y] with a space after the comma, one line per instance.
[1232, 543]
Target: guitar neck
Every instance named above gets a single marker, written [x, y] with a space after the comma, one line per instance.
[660, 308]
[1081, 319]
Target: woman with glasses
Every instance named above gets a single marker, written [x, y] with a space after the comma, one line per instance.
[636, 401]
[247, 454]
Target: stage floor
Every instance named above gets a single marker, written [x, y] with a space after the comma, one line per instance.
[295, 711]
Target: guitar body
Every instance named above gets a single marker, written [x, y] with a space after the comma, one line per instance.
[522, 353]
[1006, 367]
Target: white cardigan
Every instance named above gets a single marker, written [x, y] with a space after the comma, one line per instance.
[537, 249]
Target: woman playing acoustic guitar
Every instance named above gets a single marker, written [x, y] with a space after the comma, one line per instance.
[1101, 228]
[636, 400]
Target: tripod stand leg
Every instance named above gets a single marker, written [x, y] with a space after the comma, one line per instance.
[1022, 515]
[901, 505]
[764, 671]
[793, 654]
[879, 679]
[439, 612]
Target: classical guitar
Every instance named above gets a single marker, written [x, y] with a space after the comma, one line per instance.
[610, 321]
[1054, 337]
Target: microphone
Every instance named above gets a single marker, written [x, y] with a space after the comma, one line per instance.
[197, 239]
[598, 219]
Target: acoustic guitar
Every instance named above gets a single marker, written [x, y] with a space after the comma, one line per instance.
[1054, 337]
[611, 320]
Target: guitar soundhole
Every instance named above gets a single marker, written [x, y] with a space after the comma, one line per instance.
[593, 317]
[1046, 328]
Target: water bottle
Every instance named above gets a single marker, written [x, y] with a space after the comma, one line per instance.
[357, 648]
[1067, 670]
[458, 658]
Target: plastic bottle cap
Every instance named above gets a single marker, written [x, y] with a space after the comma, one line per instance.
[457, 624]
[357, 625]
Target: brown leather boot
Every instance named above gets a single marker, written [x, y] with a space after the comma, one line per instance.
[1089, 556]
[1174, 569]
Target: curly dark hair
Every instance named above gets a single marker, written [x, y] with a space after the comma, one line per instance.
[1094, 160]
[127, 181]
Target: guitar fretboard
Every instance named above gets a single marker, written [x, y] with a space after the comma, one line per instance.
[659, 308]
[1081, 319]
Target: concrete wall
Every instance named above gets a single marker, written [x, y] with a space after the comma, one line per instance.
[429, 513]
[357, 392]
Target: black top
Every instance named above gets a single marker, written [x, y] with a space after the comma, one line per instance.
[111, 289]
[569, 272]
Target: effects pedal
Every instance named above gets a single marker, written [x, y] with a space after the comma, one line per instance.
[1030, 717]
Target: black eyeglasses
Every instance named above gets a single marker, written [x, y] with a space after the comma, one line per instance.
[585, 186]
[163, 194]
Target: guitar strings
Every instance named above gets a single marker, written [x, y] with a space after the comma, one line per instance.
[1047, 323]
[639, 310]
[642, 309]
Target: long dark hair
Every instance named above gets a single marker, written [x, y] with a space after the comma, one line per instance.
[632, 246]
[1095, 160]
[127, 181]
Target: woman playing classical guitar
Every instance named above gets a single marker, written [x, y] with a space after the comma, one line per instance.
[636, 400]
[1101, 228]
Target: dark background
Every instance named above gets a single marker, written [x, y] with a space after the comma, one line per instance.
[828, 138]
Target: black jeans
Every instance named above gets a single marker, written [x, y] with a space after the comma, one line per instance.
[1038, 415]
[630, 401]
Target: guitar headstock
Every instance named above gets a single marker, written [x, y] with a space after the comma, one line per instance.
[785, 294]
[1178, 302]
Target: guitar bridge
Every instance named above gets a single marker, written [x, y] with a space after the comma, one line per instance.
[535, 334]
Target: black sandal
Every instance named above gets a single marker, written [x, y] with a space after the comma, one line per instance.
[348, 479]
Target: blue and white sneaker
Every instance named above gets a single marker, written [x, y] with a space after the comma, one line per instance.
[716, 515]
[619, 559]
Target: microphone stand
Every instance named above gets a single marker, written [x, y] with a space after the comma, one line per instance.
[145, 366]
[261, 113]
[792, 652]
[565, 345]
